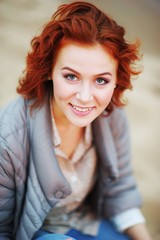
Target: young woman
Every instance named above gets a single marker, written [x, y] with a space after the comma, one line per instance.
[65, 168]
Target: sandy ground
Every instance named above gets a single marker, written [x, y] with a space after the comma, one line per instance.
[20, 20]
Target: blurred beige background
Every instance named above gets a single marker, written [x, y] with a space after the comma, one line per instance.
[20, 20]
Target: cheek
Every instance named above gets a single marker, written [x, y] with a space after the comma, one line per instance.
[105, 97]
[61, 90]
[57, 89]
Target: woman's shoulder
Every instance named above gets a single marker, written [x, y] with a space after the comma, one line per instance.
[117, 121]
[117, 113]
[118, 117]
[13, 117]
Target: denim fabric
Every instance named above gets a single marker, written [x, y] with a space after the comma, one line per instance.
[106, 232]
[43, 235]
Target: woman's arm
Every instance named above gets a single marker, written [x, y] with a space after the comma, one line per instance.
[7, 193]
[138, 232]
[123, 194]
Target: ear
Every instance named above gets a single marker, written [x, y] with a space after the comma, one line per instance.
[49, 78]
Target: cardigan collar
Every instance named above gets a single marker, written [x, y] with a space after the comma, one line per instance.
[44, 159]
[105, 146]
[46, 165]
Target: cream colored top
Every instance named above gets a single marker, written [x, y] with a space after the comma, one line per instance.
[80, 172]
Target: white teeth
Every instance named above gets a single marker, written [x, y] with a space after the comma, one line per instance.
[82, 109]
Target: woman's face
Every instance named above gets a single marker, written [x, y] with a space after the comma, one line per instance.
[84, 77]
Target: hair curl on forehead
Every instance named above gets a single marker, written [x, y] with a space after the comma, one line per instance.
[85, 23]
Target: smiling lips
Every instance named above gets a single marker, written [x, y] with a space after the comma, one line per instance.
[81, 111]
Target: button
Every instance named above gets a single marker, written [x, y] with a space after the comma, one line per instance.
[78, 199]
[59, 195]
[74, 178]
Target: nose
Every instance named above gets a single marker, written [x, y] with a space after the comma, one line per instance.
[84, 93]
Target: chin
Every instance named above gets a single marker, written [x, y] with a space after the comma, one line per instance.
[82, 123]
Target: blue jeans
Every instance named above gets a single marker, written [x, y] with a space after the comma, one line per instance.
[106, 232]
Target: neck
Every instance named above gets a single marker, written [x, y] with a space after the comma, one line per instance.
[70, 134]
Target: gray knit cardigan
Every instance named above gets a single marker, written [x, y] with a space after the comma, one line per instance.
[31, 181]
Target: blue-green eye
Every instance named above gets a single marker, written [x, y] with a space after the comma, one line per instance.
[71, 77]
[101, 81]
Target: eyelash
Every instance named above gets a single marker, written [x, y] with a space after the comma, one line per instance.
[70, 77]
[105, 81]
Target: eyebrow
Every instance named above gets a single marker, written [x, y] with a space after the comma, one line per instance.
[100, 74]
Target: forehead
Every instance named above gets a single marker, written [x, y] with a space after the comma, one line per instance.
[83, 54]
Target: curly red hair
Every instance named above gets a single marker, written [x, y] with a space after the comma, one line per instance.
[83, 22]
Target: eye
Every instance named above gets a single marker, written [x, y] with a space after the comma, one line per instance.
[71, 77]
[101, 81]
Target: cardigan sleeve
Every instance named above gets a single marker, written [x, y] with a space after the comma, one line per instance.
[12, 143]
[121, 194]
[7, 193]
